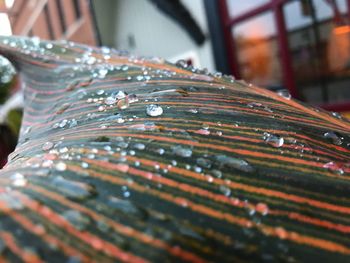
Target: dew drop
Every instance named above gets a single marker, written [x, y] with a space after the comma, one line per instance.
[216, 173]
[47, 146]
[262, 208]
[334, 167]
[254, 104]
[63, 123]
[7, 71]
[139, 78]
[334, 137]
[181, 151]
[107, 148]
[273, 139]
[210, 179]
[11, 201]
[18, 180]
[126, 207]
[91, 156]
[77, 219]
[101, 108]
[120, 95]
[139, 146]
[235, 163]
[336, 115]
[181, 201]
[197, 169]
[102, 73]
[28, 130]
[203, 132]
[205, 163]
[160, 151]
[63, 150]
[132, 98]
[172, 92]
[61, 166]
[219, 133]
[225, 190]
[90, 60]
[284, 93]
[84, 165]
[189, 232]
[123, 103]
[182, 63]
[100, 92]
[154, 110]
[49, 45]
[73, 189]
[63, 108]
[110, 100]
[218, 74]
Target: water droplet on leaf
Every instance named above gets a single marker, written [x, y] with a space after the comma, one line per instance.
[154, 110]
[284, 93]
[235, 163]
[126, 207]
[225, 190]
[273, 139]
[47, 146]
[110, 100]
[73, 189]
[334, 167]
[77, 219]
[181, 151]
[18, 180]
[123, 103]
[334, 137]
[61, 166]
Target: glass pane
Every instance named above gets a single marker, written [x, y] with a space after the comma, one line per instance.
[296, 14]
[236, 8]
[320, 49]
[257, 51]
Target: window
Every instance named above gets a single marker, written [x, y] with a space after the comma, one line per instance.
[320, 50]
[257, 50]
[237, 8]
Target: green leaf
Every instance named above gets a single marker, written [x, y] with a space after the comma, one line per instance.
[124, 158]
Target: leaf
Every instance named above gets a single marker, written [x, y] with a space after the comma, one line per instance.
[204, 167]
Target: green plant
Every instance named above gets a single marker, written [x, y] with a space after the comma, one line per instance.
[124, 158]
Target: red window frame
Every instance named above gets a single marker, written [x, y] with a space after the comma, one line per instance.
[276, 6]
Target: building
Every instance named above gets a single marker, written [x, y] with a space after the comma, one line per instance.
[51, 19]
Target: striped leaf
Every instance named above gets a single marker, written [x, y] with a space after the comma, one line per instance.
[125, 158]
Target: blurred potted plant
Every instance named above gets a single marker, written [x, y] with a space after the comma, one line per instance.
[10, 112]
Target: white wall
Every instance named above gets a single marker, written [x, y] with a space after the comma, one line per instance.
[155, 34]
[105, 11]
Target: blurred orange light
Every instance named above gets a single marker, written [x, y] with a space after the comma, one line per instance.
[342, 30]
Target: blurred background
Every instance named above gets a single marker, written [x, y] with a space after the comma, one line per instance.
[299, 45]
